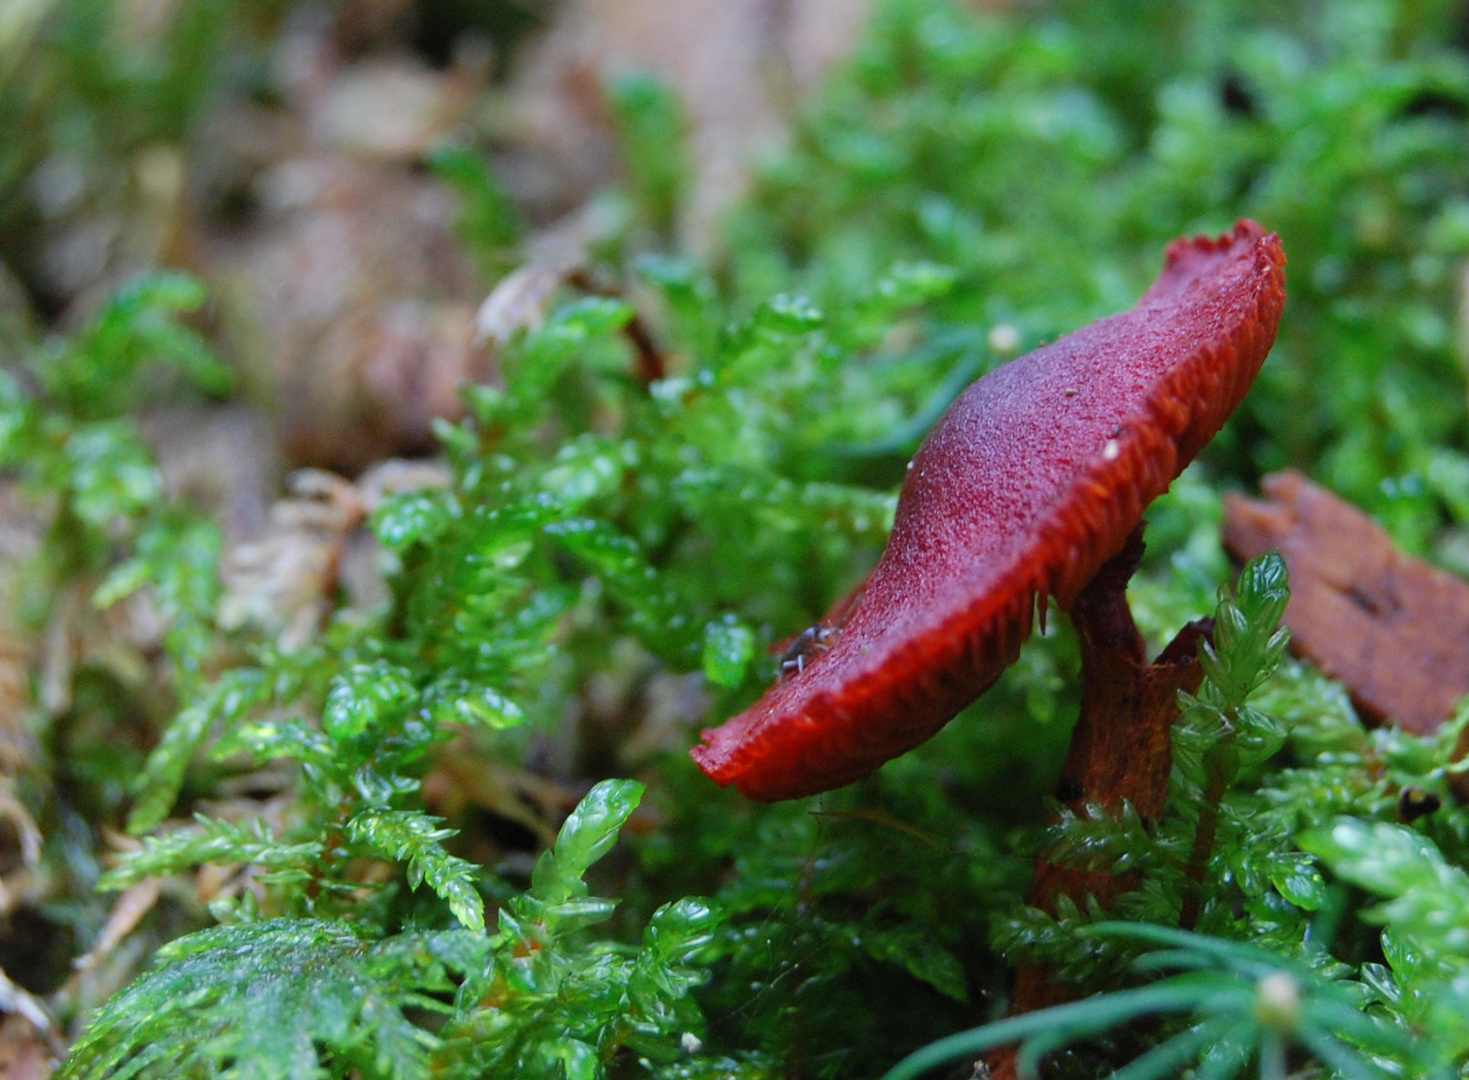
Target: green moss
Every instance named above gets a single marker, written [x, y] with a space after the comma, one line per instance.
[970, 185]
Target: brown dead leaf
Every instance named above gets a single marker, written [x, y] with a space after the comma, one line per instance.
[391, 108]
[462, 781]
[31, 1046]
[131, 906]
[342, 289]
[396, 477]
[518, 304]
[221, 459]
[28, 1051]
[286, 580]
[1389, 627]
[352, 308]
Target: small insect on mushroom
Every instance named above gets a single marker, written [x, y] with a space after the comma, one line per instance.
[1415, 803]
[1029, 484]
[808, 645]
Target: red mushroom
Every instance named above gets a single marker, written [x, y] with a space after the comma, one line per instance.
[1032, 480]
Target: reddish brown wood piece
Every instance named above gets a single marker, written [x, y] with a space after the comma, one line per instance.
[1028, 485]
[1390, 627]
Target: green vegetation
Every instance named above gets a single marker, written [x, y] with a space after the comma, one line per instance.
[968, 186]
[281, 997]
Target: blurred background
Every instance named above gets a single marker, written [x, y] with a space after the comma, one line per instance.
[350, 180]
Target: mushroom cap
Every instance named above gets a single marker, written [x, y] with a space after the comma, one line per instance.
[1028, 484]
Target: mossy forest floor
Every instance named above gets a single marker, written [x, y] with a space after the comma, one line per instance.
[419, 418]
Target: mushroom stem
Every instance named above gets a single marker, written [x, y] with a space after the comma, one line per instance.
[1121, 745]
[1121, 749]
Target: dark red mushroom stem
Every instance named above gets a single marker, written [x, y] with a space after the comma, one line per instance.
[1027, 486]
[1120, 748]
